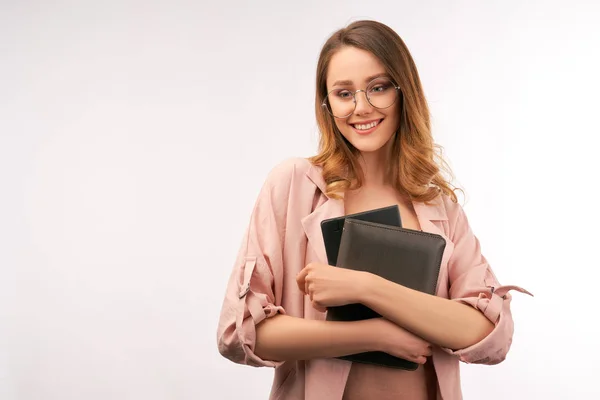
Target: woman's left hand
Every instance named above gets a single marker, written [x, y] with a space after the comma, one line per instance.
[330, 286]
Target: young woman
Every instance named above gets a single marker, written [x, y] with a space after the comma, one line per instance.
[376, 150]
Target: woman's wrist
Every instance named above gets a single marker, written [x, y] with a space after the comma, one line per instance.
[369, 335]
[367, 286]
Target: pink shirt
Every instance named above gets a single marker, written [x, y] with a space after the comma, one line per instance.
[284, 235]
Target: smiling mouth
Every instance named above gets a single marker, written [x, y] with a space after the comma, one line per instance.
[366, 127]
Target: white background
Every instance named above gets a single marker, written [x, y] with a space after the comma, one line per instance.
[134, 137]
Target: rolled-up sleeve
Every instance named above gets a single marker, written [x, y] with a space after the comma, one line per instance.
[473, 282]
[254, 289]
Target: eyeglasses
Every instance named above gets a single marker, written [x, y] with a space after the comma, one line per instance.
[380, 92]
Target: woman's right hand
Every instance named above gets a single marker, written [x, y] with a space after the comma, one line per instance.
[397, 341]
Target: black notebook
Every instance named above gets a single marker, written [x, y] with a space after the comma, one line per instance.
[332, 228]
[404, 256]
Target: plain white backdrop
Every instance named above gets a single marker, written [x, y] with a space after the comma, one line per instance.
[135, 136]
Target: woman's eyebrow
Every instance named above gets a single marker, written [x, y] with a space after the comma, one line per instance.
[369, 79]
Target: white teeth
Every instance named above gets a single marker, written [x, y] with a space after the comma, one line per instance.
[367, 126]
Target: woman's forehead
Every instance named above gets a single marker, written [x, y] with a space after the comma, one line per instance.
[352, 66]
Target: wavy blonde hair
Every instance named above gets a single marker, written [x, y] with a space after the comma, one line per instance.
[417, 162]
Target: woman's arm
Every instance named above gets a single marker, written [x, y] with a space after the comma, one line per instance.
[447, 323]
[284, 338]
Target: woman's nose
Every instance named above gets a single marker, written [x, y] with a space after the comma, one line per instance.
[362, 104]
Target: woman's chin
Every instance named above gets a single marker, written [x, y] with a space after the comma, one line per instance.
[368, 146]
[369, 143]
[368, 149]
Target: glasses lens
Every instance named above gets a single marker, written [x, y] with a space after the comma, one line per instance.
[340, 103]
[382, 93]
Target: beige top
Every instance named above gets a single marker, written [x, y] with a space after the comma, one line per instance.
[375, 382]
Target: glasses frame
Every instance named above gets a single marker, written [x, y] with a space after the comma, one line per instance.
[397, 88]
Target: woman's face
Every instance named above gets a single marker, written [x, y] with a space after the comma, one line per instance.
[351, 69]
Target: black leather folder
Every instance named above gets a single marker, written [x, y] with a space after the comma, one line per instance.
[408, 257]
[332, 228]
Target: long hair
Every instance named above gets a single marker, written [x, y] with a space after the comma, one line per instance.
[416, 162]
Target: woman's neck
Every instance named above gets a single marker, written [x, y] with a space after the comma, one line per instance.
[375, 167]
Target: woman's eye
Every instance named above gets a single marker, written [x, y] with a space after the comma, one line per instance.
[344, 94]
